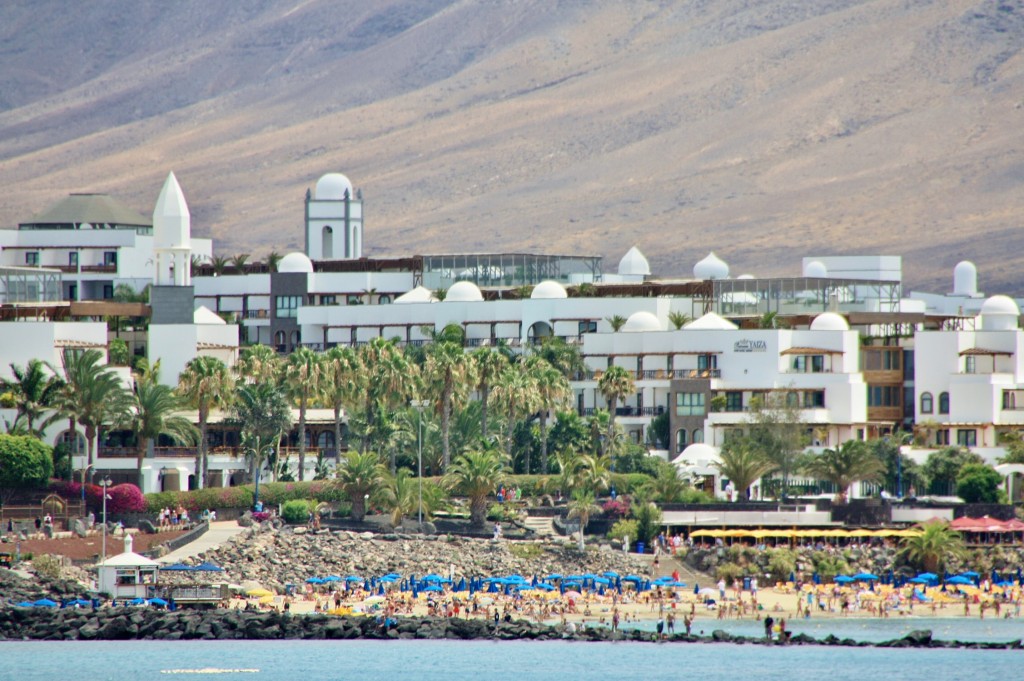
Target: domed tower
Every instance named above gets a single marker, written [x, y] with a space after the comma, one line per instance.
[334, 219]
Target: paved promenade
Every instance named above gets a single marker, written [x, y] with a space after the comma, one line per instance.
[218, 533]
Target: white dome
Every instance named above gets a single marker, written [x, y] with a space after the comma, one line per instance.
[1000, 305]
[332, 187]
[711, 267]
[634, 263]
[697, 453]
[965, 278]
[642, 321]
[745, 276]
[829, 321]
[295, 262]
[711, 322]
[463, 292]
[815, 269]
[548, 290]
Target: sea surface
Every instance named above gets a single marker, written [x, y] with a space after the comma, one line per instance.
[483, 660]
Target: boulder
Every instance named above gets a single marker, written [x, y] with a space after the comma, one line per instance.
[147, 527]
[79, 528]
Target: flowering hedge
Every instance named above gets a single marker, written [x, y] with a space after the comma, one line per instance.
[124, 498]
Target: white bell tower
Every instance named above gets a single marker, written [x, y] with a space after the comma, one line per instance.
[172, 236]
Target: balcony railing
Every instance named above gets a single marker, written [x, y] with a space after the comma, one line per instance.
[190, 452]
[100, 268]
[653, 374]
[626, 411]
[256, 314]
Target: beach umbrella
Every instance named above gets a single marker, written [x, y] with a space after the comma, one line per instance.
[259, 593]
[602, 581]
[970, 574]
[865, 577]
[137, 601]
[44, 603]
[960, 580]
[573, 594]
[843, 579]
[78, 602]
[314, 580]
[462, 585]
[157, 601]
[611, 574]
[433, 588]
[554, 576]
[929, 576]
[332, 578]
[353, 579]
[24, 604]
[177, 567]
[707, 591]
[208, 567]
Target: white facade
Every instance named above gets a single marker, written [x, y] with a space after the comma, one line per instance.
[334, 220]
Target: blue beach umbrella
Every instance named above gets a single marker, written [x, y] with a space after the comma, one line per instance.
[960, 580]
[970, 574]
[314, 580]
[843, 579]
[157, 601]
[137, 601]
[24, 604]
[433, 588]
[332, 578]
[553, 576]
[208, 567]
[865, 577]
[44, 603]
[177, 567]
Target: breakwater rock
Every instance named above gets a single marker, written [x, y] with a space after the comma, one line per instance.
[275, 557]
[120, 624]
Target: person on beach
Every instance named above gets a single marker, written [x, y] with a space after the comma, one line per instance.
[769, 622]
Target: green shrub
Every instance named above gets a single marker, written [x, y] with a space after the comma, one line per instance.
[623, 529]
[628, 483]
[691, 495]
[781, 564]
[48, 566]
[730, 572]
[505, 513]
[296, 511]
[271, 494]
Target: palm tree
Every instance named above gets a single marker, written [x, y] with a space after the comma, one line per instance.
[582, 506]
[679, 319]
[303, 373]
[272, 260]
[617, 322]
[264, 415]
[614, 385]
[343, 385]
[552, 391]
[92, 394]
[33, 390]
[402, 496]
[594, 472]
[489, 365]
[361, 475]
[931, 549]
[152, 413]
[448, 373]
[666, 486]
[205, 383]
[259, 364]
[742, 464]
[476, 474]
[219, 264]
[390, 379]
[515, 392]
[559, 354]
[846, 464]
[238, 262]
[569, 466]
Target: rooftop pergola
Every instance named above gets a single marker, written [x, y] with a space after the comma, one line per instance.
[793, 295]
[29, 285]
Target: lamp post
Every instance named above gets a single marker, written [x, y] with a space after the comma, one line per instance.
[105, 483]
[419, 461]
[256, 492]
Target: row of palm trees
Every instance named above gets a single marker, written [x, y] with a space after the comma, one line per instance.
[744, 463]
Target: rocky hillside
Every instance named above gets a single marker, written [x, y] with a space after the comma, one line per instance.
[762, 129]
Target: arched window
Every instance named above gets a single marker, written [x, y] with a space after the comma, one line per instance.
[698, 435]
[75, 443]
[327, 240]
[926, 403]
[681, 439]
[943, 403]
[383, 299]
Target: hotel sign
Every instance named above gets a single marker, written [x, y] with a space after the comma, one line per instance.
[747, 345]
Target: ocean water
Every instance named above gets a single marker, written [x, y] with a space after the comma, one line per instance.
[476, 660]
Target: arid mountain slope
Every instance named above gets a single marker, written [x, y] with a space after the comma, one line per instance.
[761, 129]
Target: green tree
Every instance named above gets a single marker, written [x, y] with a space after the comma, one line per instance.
[152, 412]
[977, 483]
[118, 352]
[264, 415]
[943, 467]
[272, 260]
[934, 547]
[615, 384]
[561, 355]
[489, 365]
[647, 516]
[581, 507]
[361, 476]
[343, 385]
[401, 495]
[476, 475]
[553, 391]
[449, 374]
[205, 384]
[850, 462]
[742, 463]
[303, 375]
[616, 322]
[569, 432]
[238, 262]
[659, 431]
[259, 364]
[666, 486]
[777, 430]
[92, 394]
[25, 463]
[1014, 445]
[390, 381]
[515, 393]
[33, 390]
[679, 319]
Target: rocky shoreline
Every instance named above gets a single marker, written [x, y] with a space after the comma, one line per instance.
[122, 624]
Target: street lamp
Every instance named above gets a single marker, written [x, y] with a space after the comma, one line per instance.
[105, 483]
[418, 404]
